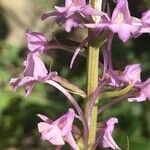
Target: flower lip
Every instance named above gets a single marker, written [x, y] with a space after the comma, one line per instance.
[58, 131]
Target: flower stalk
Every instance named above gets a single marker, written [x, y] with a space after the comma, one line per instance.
[92, 79]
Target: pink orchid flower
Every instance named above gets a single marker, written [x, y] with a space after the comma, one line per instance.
[123, 23]
[144, 92]
[107, 140]
[35, 71]
[59, 131]
[131, 74]
[69, 14]
[104, 137]
[37, 42]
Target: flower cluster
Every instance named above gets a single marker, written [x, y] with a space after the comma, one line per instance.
[72, 14]
[124, 85]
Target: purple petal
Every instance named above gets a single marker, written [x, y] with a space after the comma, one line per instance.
[34, 71]
[61, 9]
[108, 141]
[70, 23]
[69, 122]
[140, 98]
[34, 66]
[144, 30]
[146, 88]
[68, 2]
[110, 124]
[28, 89]
[50, 133]
[43, 127]
[122, 12]
[56, 137]
[26, 81]
[144, 92]
[124, 30]
[71, 141]
[80, 2]
[75, 2]
[132, 73]
[61, 128]
[65, 122]
[36, 41]
[51, 14]
[146, 18]
[88, 10]
[44, 118]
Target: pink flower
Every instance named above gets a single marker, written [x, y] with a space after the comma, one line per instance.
[104, 137]
[34, 66]
[35, 71]
[37, 42]
[107, 140]
[146, 88]
[123, 23]
[72, 14]
[144, 92]
[131, 74]
[58, 131]
[144, 22]
[120, 22]
[114, 79]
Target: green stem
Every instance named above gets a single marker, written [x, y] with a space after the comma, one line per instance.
[92, 83]
[92, 80]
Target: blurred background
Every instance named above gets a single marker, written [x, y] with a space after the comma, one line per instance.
[18, 121]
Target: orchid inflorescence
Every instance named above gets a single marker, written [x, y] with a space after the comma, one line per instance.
[111, 84]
